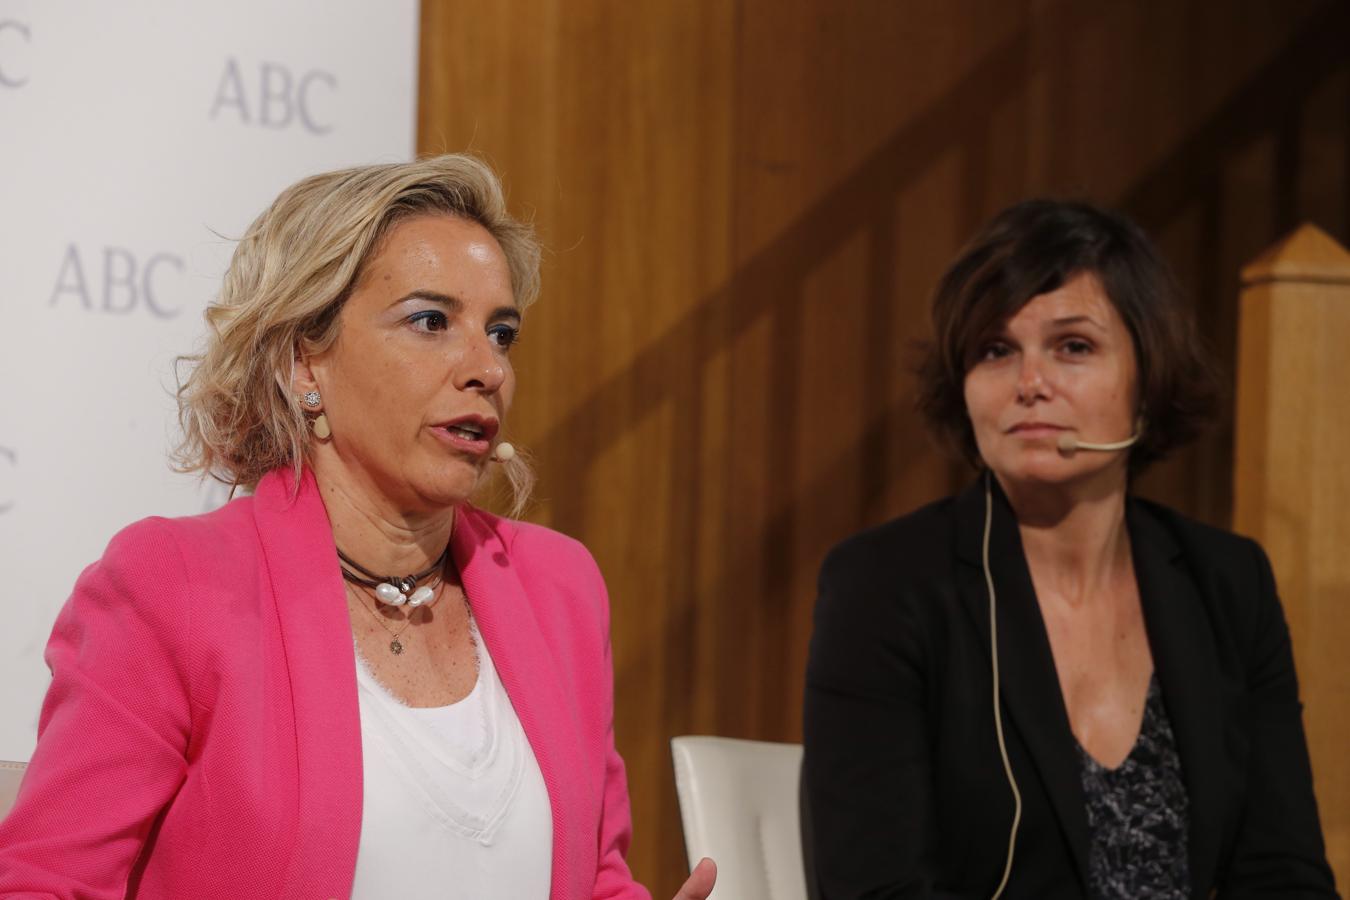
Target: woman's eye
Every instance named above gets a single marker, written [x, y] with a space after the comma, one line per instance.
[504, 335]
[994, 350]
[1076, 347]
[429, 320]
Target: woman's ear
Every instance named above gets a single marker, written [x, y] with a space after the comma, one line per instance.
[305, 387]
[303, 380]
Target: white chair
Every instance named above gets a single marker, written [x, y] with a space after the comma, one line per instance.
[11, 773]
[738, 801]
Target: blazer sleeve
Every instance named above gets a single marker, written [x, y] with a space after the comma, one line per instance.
[114, 727]
[613, 880]
[867, 767]
[1278, 851]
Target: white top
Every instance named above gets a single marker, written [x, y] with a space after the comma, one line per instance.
[454, 805]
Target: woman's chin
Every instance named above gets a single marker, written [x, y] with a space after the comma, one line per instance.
[446, 493]
[1050, 469]
[433, 488]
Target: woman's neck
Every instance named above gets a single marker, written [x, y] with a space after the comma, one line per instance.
[1074, 536]
[374, 532]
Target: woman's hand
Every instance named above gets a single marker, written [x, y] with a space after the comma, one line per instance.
[700, 883]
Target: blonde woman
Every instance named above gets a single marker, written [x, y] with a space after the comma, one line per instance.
[350, 682]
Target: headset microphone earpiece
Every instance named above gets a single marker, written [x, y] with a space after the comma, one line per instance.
[503, 452]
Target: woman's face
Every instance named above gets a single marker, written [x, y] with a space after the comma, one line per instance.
[1064, 362]
[419, 380]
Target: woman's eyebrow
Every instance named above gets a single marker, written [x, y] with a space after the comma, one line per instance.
[454, 304]
[1075, 320]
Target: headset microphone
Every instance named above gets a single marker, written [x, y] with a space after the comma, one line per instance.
[503, 452]
[1069, 445]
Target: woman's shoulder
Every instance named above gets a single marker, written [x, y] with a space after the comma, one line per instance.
[558, 574]
[518, 536]
[193, 548]
[1208, 551]
[158, 576]
[1231, 572]
[538, 552]
[916, 542]
[1192, 534]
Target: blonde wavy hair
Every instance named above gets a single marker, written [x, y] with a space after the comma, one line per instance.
[292, 271]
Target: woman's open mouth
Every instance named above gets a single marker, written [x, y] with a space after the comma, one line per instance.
[470, 434]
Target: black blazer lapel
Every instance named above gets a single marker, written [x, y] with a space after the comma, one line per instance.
[1186, 661]
[1029, 684]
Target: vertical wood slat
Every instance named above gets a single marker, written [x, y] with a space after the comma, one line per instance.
[1292, 483]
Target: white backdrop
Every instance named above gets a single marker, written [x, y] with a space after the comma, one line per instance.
[137, 138]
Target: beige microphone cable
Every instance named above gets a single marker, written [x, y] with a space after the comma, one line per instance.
[998, 712]
[1067, 444]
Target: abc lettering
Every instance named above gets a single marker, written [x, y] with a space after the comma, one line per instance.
[8, 462]
[125, 283]
[12, 34]
[275, 99]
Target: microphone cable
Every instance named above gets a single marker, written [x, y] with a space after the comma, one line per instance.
[998, 710]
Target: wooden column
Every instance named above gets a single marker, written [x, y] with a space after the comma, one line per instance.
[1292, 484]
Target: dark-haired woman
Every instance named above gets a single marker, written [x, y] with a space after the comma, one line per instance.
[1044, 687]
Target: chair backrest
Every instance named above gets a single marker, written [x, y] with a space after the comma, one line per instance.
[738, 801]
[11, 774]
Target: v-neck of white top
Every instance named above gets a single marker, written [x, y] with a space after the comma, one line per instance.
[454, 804]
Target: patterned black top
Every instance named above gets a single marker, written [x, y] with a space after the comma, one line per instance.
[1138, 816]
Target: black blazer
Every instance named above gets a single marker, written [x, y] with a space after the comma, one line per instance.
[903, 781]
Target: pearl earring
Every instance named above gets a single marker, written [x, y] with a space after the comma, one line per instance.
[319, 424]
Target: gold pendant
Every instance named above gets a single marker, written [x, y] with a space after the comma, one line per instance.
[395, 647]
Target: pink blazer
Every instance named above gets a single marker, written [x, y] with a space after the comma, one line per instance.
[201, 735]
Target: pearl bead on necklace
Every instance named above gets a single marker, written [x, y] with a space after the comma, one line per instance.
[395, 590]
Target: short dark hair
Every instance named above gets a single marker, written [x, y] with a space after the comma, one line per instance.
[1034, 247]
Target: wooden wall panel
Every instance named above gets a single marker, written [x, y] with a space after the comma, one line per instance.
[611, 124]
[746, 205]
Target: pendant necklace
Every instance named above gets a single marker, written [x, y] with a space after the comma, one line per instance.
[395, 645]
